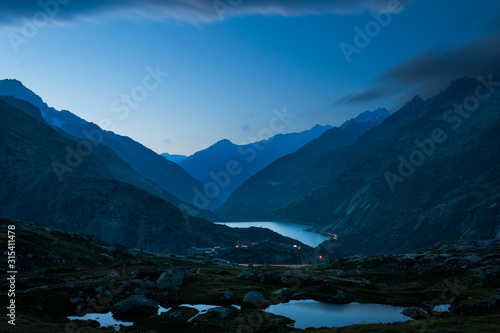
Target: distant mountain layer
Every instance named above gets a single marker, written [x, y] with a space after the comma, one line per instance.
[166, 174]
[225, 165]
[174, 158]
[52, 180]
[289, 177]
[428, 173]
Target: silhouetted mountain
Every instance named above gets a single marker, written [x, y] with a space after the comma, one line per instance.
[429, 173]
[228, 165]
[289, 177]
[174, 158]
[166, 174]
[43, 181]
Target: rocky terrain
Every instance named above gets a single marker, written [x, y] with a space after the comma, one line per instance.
[63, 274]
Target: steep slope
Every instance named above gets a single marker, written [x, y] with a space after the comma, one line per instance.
[121, 171]
[91, 198]
[210, 164]
[429, 173]
[166, 174]
[291, 176]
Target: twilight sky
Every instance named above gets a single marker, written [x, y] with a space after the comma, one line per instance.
[224, 68]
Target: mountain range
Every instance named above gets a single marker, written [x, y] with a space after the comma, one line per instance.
[211, 164]
[284, 180]
[52, 179]
[166, 174]
[430, 172]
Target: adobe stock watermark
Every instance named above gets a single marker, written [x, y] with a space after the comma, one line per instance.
[94, 137]
[31, 26]
[372, 29]
[225, 7]
[455, 117]
[233, 168]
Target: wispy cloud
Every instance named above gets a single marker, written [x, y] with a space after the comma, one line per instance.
[194, 11]
[429, 71]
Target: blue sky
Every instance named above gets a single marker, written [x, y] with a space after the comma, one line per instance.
[228, 71]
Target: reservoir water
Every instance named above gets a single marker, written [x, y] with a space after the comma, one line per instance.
[292, 230]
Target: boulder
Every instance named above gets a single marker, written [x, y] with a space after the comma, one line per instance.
[136, 305]
[182, 313]
[230, 319]
[171, 279]
[414, 312]
[253, 300]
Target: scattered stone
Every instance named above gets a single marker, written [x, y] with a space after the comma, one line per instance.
[485, 306]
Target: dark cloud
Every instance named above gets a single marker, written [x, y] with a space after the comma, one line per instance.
[364, 96]
[12, 11]
[428, 72]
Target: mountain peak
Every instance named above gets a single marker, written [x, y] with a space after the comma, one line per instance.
[224, 142]
[13, 87]
[375, 116]
[372, 116]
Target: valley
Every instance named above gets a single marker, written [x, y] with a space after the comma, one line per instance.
[254, 166]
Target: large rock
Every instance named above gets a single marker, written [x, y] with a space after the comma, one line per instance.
[253, 300]
[414, 312]
[136, 305]
[171, 279]
[230, 319]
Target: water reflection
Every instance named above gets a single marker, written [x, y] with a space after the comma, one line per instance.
[309, 313]
[104, 319]
[292, 230]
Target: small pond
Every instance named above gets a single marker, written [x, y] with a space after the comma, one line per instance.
[310, 313]
[306, 313]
